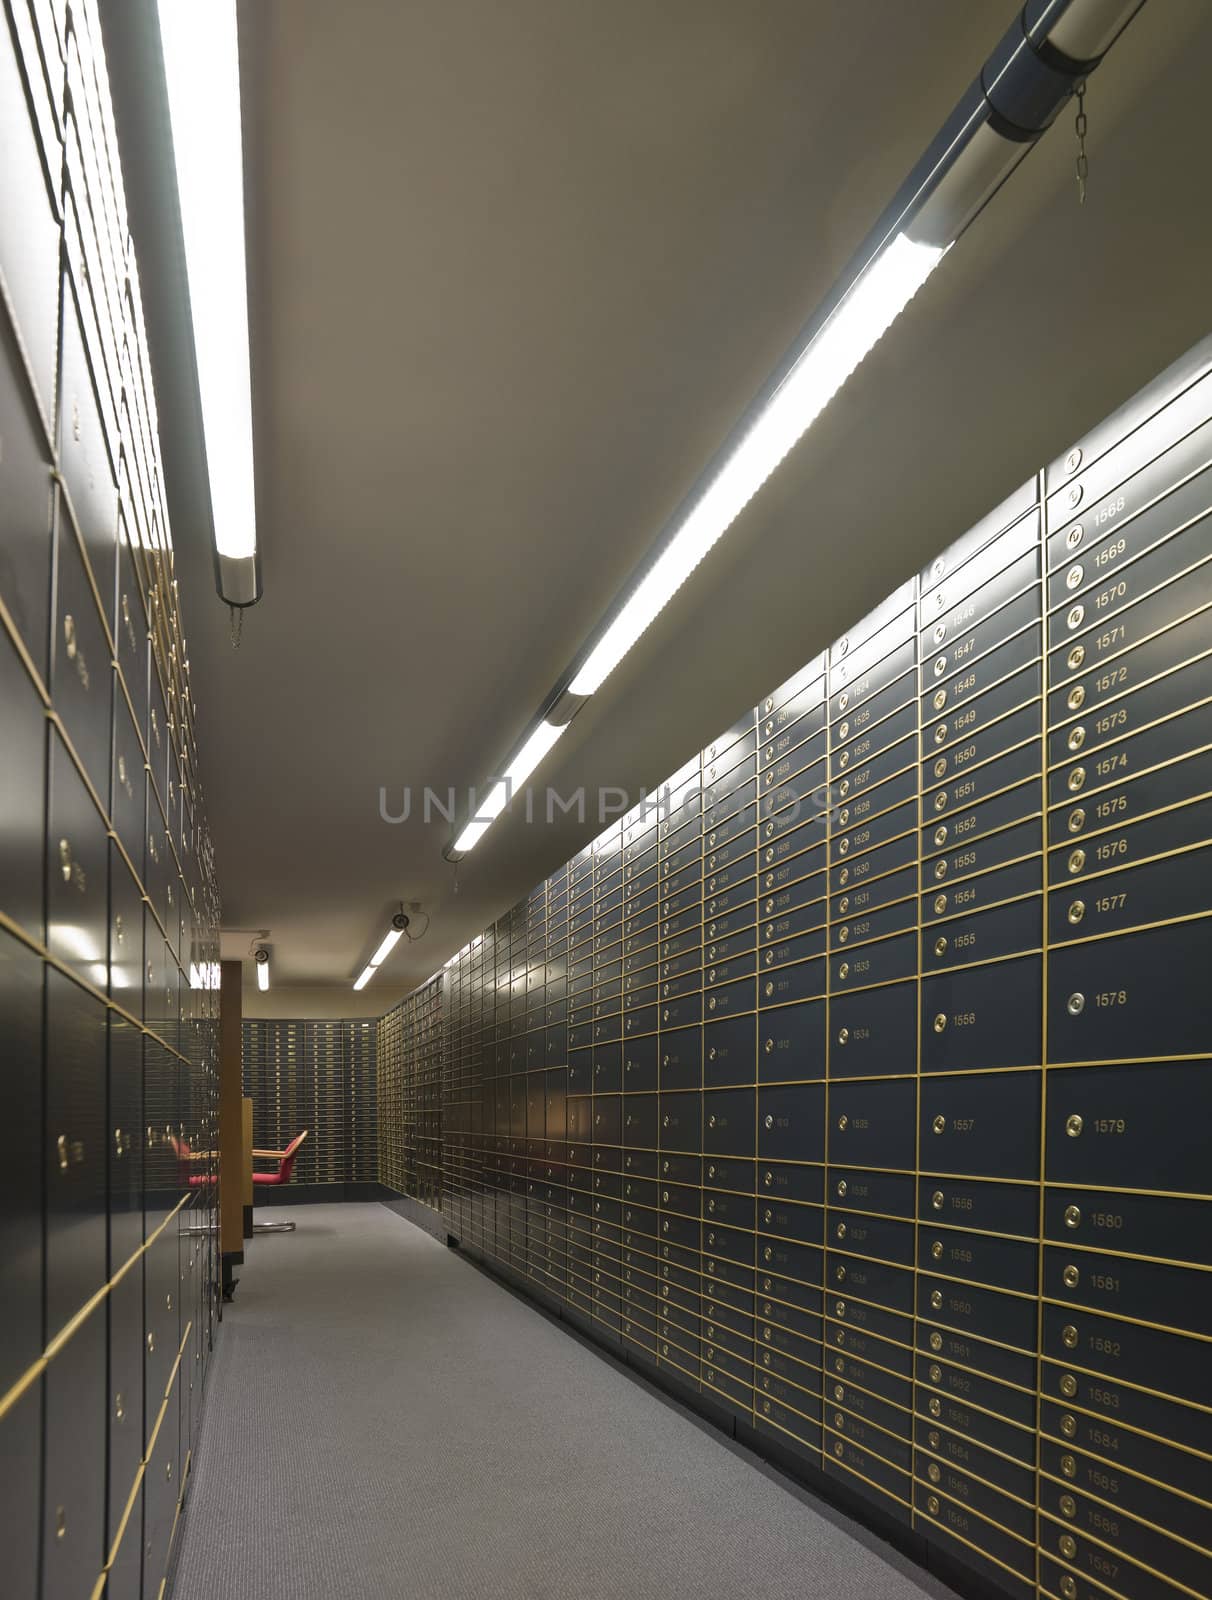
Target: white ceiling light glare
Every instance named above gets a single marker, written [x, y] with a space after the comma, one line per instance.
[202, 74]
[399, 925]
[516, 774]
[856, 325]
[385, 949]
[261, 960]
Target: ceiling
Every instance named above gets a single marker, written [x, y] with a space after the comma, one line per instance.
[514, 272]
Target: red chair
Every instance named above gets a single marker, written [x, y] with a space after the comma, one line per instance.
[184, 1155]
[286, 1161]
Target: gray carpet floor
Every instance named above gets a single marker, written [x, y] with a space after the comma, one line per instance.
[385, 1420]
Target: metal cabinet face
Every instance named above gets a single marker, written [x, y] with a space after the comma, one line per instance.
[873, 1032]
[966, 1023]
[21, 981]
[81, 674]
[162, 1169]
[125, 1141]
[77, 871]
[22, 788]
[1131, 997]
[29, 238]
[87, 468]
[728, 1122]
[791, 1123]
[76, 1156]
[125, 937]
[898, 1095]
[73, 1519]
[160, 1493]
[983, 1125]
[124, 1394]
[20, 1484]
[124, 1581]
[872, 1124]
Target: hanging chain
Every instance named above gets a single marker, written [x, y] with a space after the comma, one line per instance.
[237, 625]
[1083, 163]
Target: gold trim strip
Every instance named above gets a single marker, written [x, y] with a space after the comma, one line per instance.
[131, 1498]
[1137, 1388]
[967, 1472]
[970, 1510]
[1126, 1255]
[1129, 1194]
[1121, 1554]
[1140, 1433]
[934, 1522]
[1098, 711]
[74, 1323]
[1135, 1322]
[1122, 1511]
[19, 645]
[39, 949]
[74, 523]
[1073, 884]
[1140, 927]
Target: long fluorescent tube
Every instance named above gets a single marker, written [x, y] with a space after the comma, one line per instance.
[380, 956]
[1045, 56]
[386, 947]
[262, 974]
[874, 302]
[519, 769]
[202, 70]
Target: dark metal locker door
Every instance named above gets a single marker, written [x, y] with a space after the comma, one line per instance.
[22, 776]
[75, 1149]
[75, 1181]
[126, 1574]
[163, 1169]
[73, 1522]
[81, 675]
[125, 1143]
[20, 1255]
[29, 233]
[84, 453]
[161, 1339]
[124, 1396]
[161, 1487]
[77, 871]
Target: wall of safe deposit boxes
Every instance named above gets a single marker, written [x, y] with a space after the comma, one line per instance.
[868, 1095]
[318, 1077]
[107, 892]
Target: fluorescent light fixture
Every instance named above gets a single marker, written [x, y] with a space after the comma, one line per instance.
[386, 948]
[858, 322]
[863, 314]
[202, 72]
[390, 941]
[1044, 58]
[262, 966]
[516, 774]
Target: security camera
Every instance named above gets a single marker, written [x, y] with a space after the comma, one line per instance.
[261, 955]
[400, 921]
